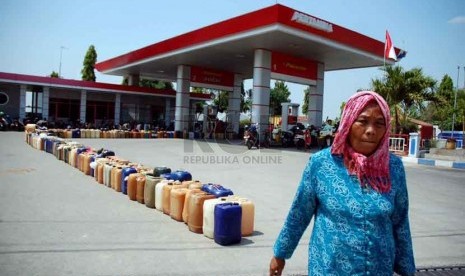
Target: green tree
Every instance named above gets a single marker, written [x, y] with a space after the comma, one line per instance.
[279, 94]
[221, 100]
[440, 111]
[405, 91]
[246, 99]
[446, 88]
[461, 111]
[199, 90]
[54, 75]
[90, 59]
[341, 108]
[157, 84]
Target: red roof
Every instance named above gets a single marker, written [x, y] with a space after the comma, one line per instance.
[229, 45]
[98, 86]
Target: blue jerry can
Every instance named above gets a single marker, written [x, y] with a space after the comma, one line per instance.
[124, 180]
[76, 133]
[177, 175]
[183, 175]
[216, 190]
[227, 229]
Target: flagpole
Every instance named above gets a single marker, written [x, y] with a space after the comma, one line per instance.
[384, 56]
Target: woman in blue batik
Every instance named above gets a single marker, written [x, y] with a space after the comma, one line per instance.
[356, 191]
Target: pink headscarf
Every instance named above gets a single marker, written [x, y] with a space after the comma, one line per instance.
[371, 170]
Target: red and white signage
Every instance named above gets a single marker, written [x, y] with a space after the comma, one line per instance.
[293, 69]
[210, 78]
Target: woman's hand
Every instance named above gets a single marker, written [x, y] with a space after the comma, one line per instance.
[276, 266]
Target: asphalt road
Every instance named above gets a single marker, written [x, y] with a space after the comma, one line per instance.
[54, 220]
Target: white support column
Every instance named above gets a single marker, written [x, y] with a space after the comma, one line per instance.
[284, 116]
[234, 104]
[22, 102]
[167, 112]
[45, 102]
[261, 90]
[83, 106]
[117, 109]
[315, 105]
[181, 117]
[133, 80]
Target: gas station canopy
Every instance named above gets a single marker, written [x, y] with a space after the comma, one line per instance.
[229, 46]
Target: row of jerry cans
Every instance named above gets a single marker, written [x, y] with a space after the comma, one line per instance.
[210, 209]
[115, 133]
[177, 195]
[111, 134]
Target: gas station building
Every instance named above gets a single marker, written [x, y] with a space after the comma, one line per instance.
[276, 42]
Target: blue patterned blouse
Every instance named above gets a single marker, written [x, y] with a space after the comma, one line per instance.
[357, 231]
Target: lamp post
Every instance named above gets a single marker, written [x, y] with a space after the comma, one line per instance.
[455, 101]
[61, 55]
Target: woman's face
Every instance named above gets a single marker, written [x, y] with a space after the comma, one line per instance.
[367, 130]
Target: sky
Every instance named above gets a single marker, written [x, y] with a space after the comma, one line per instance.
[41, 36]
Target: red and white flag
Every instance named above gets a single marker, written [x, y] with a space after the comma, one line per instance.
[389, 48]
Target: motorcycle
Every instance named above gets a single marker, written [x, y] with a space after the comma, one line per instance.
[6, 123]
[303, 139]
[251, 138]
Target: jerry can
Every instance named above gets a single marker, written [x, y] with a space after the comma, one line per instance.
[149, 191]
[227, 229]
[177, 203]
[209, 216]
[195, 218]
[124, 181]
[157, 171]
[216, 189]
[141, 179]
[167, 195]
[132, 186]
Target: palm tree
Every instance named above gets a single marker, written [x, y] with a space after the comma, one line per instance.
[405, 90]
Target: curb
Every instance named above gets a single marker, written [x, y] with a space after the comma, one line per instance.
[436, 163]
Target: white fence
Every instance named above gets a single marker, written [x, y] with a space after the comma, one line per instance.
[397, 144]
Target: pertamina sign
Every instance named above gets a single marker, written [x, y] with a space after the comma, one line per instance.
[311, 21]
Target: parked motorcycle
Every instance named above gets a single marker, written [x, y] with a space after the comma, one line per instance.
[6, 123]
[303, 139]
[251, 137]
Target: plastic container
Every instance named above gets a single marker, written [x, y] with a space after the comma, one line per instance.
[177, 203]
[132, 186]
[157, 171]
[227, 228]
[177, 175]
[107, 174]
[159, 194]
[140, 188]
[217, 190]
[167, 194]
[185, 210]
[209, 216]
[124, 181]
[195, 217]
[248, 213]
[116, 174]
[149, 190]
[193, 184]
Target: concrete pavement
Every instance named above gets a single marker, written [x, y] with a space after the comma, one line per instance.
[54, 220]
